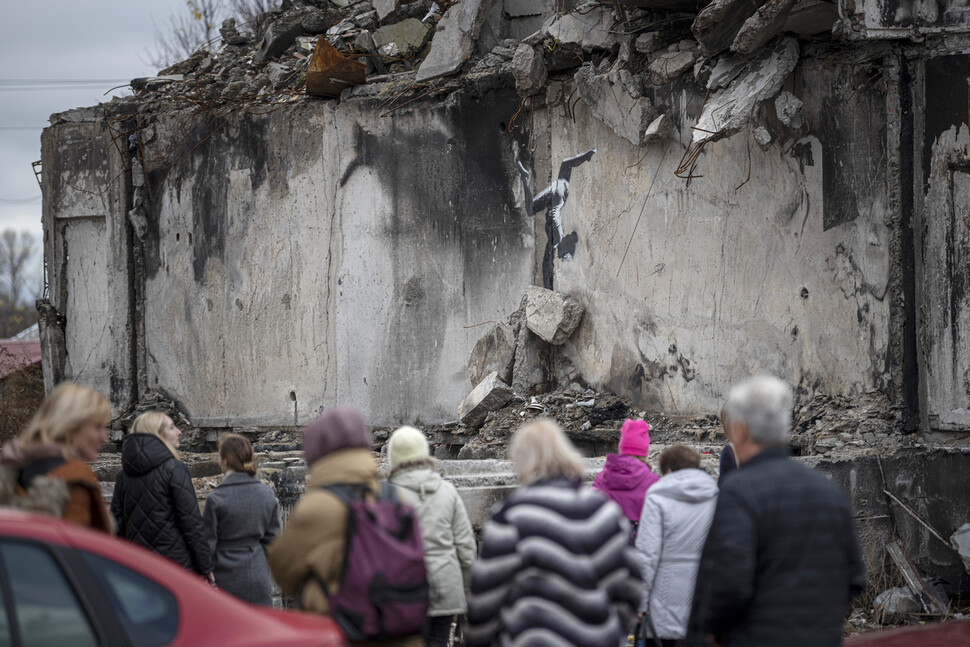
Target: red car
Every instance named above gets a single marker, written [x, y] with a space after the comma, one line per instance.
[61, 584]
[946, 634]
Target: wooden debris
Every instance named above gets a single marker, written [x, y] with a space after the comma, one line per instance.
[330, 72]
[914, 580]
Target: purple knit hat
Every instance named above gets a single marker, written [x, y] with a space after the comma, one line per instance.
[635, 438]
[335, 429]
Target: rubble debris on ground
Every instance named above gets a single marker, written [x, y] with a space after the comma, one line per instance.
[490, 394]
[495, 351]
[960, 540]
[896, 603]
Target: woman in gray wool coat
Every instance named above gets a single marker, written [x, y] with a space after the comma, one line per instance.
[241, 517]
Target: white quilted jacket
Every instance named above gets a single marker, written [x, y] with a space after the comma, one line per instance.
[676, 516]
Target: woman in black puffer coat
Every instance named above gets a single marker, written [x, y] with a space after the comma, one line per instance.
[154, 501]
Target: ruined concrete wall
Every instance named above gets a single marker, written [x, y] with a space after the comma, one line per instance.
[689, 288]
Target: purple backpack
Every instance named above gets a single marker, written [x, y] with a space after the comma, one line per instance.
[383, 587]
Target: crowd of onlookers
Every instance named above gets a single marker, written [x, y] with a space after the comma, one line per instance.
[766, 555]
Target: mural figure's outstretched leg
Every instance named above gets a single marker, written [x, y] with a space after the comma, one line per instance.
[553, 199]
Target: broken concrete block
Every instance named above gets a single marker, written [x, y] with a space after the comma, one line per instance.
[659, 128]
[551, 315]
[533, 371]
[726, 70]
[896, 602]
[961, 541]
[277, 73]
[318, 22]
[384, 8]
[766, 23]
[591, 31]
[648, 42]
[615, 99]
[230, 35]
[669, 66]
[454, 42]
[788, 107]
[763, 137]
[728, 110]
[717, 24]
[409, 35]
[491, 394]
[493, 353]
[529, 70]
[278, 37]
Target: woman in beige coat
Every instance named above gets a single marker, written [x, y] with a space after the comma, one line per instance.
[449, 544]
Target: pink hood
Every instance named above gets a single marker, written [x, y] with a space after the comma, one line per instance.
[625, 479]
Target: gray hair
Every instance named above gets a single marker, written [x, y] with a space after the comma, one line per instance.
[540, 451]
[764, 404]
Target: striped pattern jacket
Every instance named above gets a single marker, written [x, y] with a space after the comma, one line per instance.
[555, 569]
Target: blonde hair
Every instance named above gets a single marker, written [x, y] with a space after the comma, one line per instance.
[237, 451]
[540, 451]
[152, 422]
[68, 408]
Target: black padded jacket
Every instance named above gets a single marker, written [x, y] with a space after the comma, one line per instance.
[155, 506]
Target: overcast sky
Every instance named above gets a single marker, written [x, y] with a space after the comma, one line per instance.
[63, 41]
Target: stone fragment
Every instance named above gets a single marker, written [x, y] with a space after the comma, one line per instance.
[551, 315]
[493, 353]
[616, 100]
[668, 67]
[529, 70]
[454, 41]
[896, 602]
[384, 7]
[766, 23]
[728, 110]
[318, 22]
[725, 71]
[763, 137]
[277, 73]
[961, 541]
[278, 37]
[409, 35]
[591, 31]
[491, 394]
[788, 107]
[717, 24]
[648, 42]
[532, 371]
[230, 35]
[659, 128]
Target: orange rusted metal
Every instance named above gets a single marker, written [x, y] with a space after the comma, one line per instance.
[330, 72]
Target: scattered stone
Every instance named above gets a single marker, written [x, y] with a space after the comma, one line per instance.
[454, 41]
[529, 70]
[318, 22]
[491, 394]
[896, 602]
[384, 8]
[961, 541]
[763, 137]
[493, 353]
[766, 23]
[551, 315]
[726, 70]
[659, 128]
[727, 111]
[717, 24]
[648, 43]
[616, 100]
[277, 73]
[788, 107]
[668, 67]
[230, 35]
[278, 37]
[409, 35]
[591, 31]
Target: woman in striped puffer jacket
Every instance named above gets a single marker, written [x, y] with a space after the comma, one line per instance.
[556, 567]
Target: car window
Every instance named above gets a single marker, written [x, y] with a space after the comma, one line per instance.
[148, 613]
[47, 612]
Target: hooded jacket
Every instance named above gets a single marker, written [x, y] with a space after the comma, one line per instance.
[310, 549]
[449, 543]
[625, 479]
[40, 478]
[155, 506]
[676, 518]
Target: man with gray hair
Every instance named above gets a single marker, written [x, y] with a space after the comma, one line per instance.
[782, 561]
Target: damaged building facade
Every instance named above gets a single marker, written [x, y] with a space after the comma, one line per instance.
[720, 189]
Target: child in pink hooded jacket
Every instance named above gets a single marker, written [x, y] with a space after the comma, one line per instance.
[625, 476]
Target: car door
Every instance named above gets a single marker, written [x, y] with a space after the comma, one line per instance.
[44, 604]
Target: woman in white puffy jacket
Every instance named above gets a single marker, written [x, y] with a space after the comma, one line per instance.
[676, 517]
[449, 543]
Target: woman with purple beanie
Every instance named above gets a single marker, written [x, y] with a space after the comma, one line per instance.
[626, 476]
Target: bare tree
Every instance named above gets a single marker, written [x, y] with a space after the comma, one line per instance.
[197, 27]
[17, 282]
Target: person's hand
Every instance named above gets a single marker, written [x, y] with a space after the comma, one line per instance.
[640, 616]
[211, 577]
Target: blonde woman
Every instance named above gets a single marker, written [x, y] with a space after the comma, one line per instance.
[154, 500]
[46, 469]
[556, 565]
[241, 517]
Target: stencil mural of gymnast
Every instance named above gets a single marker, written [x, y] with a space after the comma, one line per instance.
[553, 200]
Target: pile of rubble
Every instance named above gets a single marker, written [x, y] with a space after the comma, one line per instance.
[622, 56]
